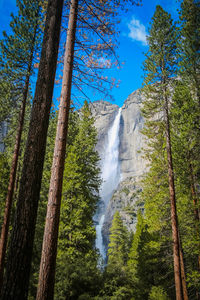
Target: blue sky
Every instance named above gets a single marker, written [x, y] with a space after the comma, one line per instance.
[132, 42]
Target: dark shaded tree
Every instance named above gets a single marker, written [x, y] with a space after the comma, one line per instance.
[28, 32]
[19, 257]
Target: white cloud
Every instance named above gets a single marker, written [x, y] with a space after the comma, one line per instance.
[137, 31]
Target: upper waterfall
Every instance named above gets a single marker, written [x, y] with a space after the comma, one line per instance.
[110, 166]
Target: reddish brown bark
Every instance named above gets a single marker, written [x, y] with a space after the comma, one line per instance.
[183, 276]
[194, 195]
[174, 219]
[16, 281]
[49, 250]
[9, 198]
[196, 215]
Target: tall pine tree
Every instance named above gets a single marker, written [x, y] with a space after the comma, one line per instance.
[77, 271]
[160, 67]
[22, 61]
[20, 253]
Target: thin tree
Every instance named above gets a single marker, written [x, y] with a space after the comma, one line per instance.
[189, 71]
[9, 198]
[160, 66]
[49, 249]
[174, 218]
[19, 257]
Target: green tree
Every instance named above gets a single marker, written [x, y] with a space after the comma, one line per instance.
[18, 53]
[189, 44]
[20, 252]
[77, 271]
[4, 167]
[140, 267]
[185, 144]
[157, 293]
[42, 205]
[118, 245]
[73, 129]
[160, 67]
[115, 279]
[187, 99]
[22, 61]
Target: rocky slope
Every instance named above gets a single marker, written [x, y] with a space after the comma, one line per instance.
[126, 200]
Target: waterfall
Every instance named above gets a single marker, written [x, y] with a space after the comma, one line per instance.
[110, 176]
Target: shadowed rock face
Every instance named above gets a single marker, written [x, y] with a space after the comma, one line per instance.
[132, 165]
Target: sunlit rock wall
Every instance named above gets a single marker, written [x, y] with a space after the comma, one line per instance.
[132, 164]
[131, 139]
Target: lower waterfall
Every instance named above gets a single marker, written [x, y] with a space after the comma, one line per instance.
[110, 176]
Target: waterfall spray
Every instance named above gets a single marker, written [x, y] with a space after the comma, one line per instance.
[110, 176]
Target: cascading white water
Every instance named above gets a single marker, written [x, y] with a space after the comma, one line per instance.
[110, 176]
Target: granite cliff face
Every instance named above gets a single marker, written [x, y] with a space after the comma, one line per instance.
[132, 165]
[131, 139]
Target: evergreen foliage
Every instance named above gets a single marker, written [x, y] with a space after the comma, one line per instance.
[4, 175]
[189, 44]
[42, 207]
[118, 245]
[157, 293]
[77, 257]
[137, 263]
[16, 52]
[115, 279]
[183, 119]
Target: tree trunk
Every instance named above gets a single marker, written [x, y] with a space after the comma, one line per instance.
[49, 250]
[13, 171]
[183, 277]
[174, 219]
[196, 216]
[194, 195]
[16, 281]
